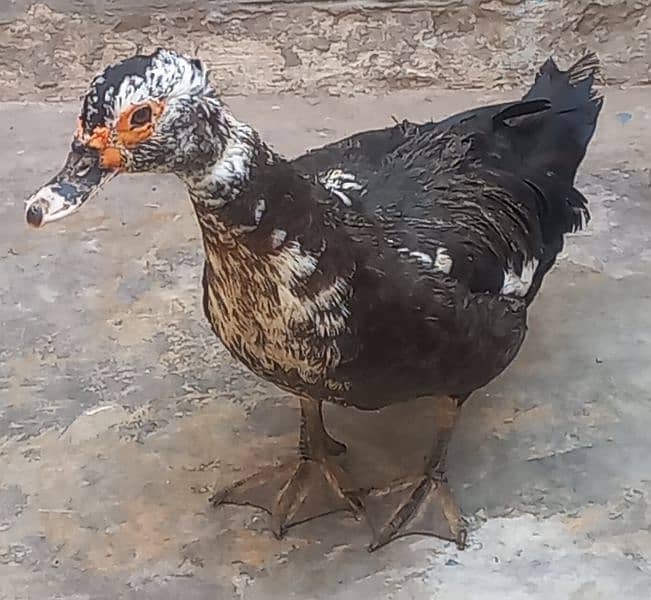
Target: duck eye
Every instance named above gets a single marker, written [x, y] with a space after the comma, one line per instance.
[142, 116]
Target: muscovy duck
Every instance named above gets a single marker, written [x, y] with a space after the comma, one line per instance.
[391, 265]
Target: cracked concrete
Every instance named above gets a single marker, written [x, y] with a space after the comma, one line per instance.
[52, 49]
[119, 410]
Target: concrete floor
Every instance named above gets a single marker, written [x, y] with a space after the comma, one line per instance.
[119, 410]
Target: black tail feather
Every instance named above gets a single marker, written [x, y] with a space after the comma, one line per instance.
[586, 69]
[572, 95]
[575, 104]
[556, 143]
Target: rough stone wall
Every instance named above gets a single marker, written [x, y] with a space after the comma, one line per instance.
[49, 51]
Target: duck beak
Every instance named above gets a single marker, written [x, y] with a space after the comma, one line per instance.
[80, 178]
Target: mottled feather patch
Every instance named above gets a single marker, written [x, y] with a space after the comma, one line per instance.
[422, 257]
[164, 74]
[278, 236]
[262, 314]
[293, 264]
[338, 182]
[443, 261]
[518, 285]
[327, 310]
[260, 207]
[234, 165]
[345, 199]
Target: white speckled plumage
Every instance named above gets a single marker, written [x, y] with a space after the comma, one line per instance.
[519, 284]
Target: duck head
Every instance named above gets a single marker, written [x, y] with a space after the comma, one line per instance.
[155, 113]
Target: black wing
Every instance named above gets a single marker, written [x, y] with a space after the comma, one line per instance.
[486, 195]
[451, 227]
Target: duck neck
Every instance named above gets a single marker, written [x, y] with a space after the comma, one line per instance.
[218, 189]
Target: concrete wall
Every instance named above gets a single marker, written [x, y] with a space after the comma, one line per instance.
[51, 49]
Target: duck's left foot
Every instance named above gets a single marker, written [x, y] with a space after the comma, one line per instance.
[417, 506]
[421, 505]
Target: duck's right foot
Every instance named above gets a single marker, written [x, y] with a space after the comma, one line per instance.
[294, 493]
[299, 491]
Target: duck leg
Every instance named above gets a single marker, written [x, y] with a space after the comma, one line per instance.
[420, 505]
[333, 447]
[302, 490]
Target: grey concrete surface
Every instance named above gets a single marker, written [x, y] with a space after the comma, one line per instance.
[119, 410]
[51, 49]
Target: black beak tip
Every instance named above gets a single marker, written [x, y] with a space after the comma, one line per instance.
[34, 215]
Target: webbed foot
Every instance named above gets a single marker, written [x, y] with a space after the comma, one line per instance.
[294, 493]
[417, 506]
[297, 492]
